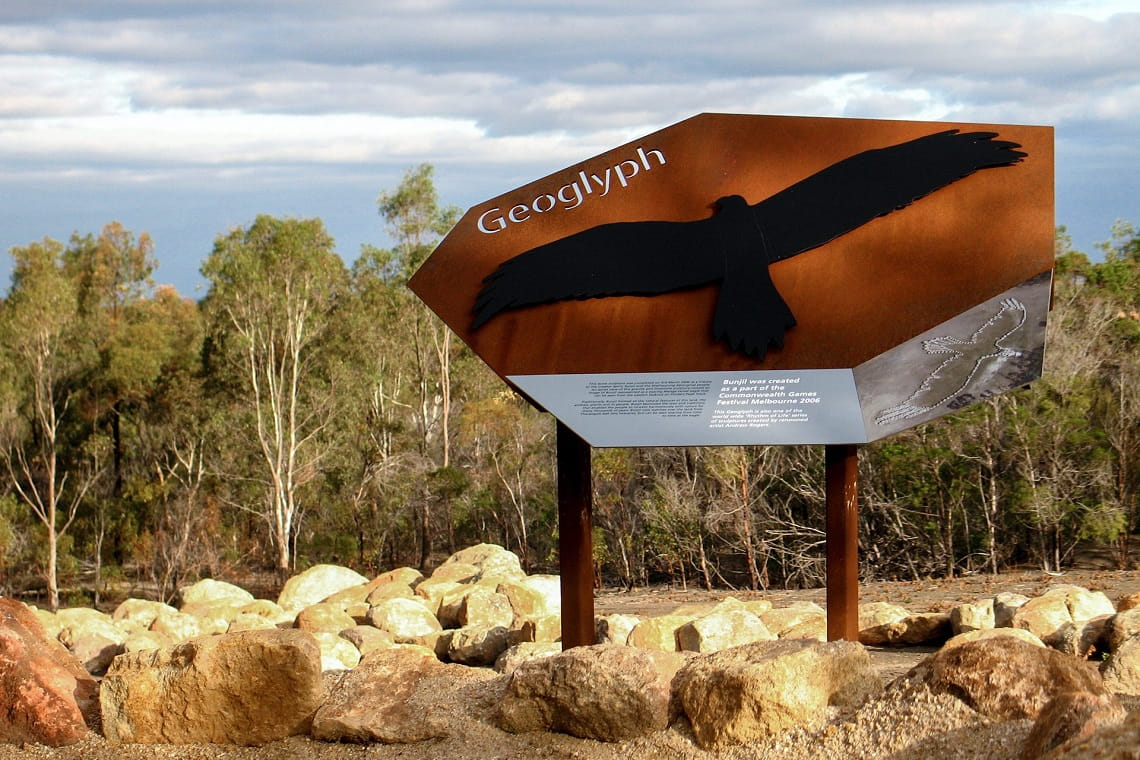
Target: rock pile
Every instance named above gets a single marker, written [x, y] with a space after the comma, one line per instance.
[341, 657]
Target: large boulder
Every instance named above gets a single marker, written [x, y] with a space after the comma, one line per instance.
[1117, 742]
[1060, 617]
[549, 588]
[324, 616]
[1121, 627]
[138, 614]
[763, 689]
[604, 692]
[477, 645]
[1071, 717]
[77, 622]
[879, 621]
[978, 616]
[48, 698]
[780, 620]
[659, 633]
[510, 660]
[316, 584]
[490, 560]
[176, 625]
[993, 633]
[209, 591]
[722, 628]
[1121, 671]
[614, 629]
[1005, 605]
[1006, 679]
[388, 698]
[475, 606]
[246, 688]
[405, 619]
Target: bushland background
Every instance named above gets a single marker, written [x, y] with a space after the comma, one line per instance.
[307, 411]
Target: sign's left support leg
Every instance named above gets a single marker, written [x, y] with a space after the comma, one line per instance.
[575, 538]
[842, 462]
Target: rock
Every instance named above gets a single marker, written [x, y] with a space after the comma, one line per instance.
[614, 629]
[879, 622]
[1046, 617]
[389, 591]
[317, 583]
[432, 591]
[49, 621]
[779, 620]
[993, 633]
[138, 614]
[368, 639]
[1119, 742]
[603, 692]
[246, 688]
[517, 654]
[489, 560]
[141, 641]
[1121, 670]
[76, 622]
[384, 699]
[48, 697]
[336, 653]
[1005, 604]
[1128, 602]
[546, 629]
[214, 617]
[269, 610]
[407, 576]
[763, 689]
[475, 606]
[720, 629]
[972, 617]
[1082, 603]
[659, 633]
[324, 616]
[95, 651]
[456, 572]
[526, 602]
[209, 591]
[477, 645]
[759, 606]
[549, 589]
[404, 619]
[812, 628]
[1082, 638]
[248, 621]
[1121, 627]
[1071, 716]
[177, 626]
[1005, 679]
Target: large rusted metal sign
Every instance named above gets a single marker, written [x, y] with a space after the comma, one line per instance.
[741, 279]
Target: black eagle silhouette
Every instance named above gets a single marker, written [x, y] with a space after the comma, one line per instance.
[735, 246]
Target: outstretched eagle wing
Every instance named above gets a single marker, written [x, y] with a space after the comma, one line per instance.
[622, 258]
[852, 192]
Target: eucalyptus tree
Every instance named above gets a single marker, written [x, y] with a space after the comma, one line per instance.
[273, 289]
[50, 463]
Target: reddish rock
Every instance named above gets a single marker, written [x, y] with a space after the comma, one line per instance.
[1007, 679]
[49, 697]
[1072, 716]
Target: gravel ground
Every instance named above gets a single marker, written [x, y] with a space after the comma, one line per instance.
[904, 722]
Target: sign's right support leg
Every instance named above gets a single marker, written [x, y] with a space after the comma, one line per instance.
[842, 542]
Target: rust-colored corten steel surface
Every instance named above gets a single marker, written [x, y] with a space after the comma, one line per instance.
[853, 298]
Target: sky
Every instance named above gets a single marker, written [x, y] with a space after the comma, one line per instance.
[188, 118]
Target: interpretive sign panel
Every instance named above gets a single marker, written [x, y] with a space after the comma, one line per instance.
[762, 280]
